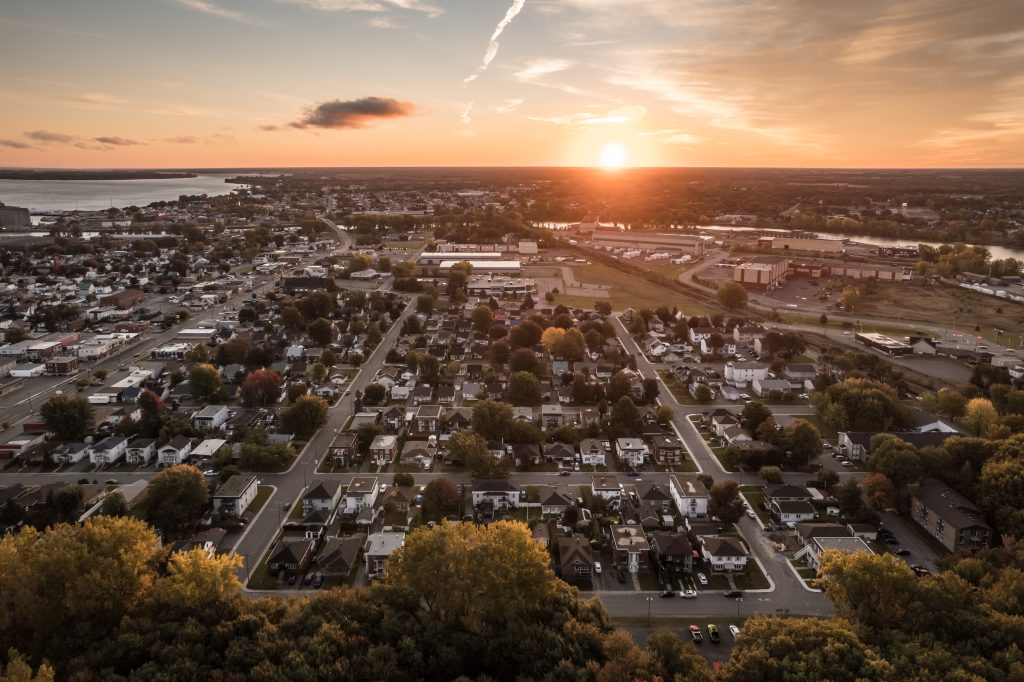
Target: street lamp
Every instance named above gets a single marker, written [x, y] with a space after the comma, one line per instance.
[650, 600]
[739, 600]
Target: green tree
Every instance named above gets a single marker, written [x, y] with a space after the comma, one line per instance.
[526, 334]
[15, 334]
[320, 331]
[896, 458]
[804, 440]
[946, 403]
[732, 295]
[304, 417]
[754, 414]
[724, 501]
[483, 318]
[67, 418]
[498, 353]
[403, 479]
[292, 318]
[850, 297]
[374, 394]
[425, 304]
[440, 497]
[851, 501]
[523, 389]
[175, 500]
[114, 504]
[492, 419]
[470, 448]
[702, 394]
[523, 360]
[625, 420]
[1002, 493]
[771, 474]
[204, 382]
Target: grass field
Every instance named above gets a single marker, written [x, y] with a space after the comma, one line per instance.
[627, 290]
[263, 493]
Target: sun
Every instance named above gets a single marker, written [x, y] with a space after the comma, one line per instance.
[613, 155]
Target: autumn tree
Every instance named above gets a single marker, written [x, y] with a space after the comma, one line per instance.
[260, 388]
[482, 317]
[879, 492]
[732, 295]
[492, 419]
[204, 382]
[471, 449]
[523, 389]
[897, 459]
[979, 416]
[551, 338]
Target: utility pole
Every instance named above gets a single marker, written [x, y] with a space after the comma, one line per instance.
[650, 600]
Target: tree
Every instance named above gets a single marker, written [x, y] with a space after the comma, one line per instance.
[471, 449]
[15, 334]
[896, 458]
[492, 419]
[774, 648]
[879, 492]
[483, 318]
[317, 372]
[753, 415]
[292, 318]
[946, 403]
[850, 297]
[804, 440]
[702, 394]
[874, 591]
[771, 474]
[1002, 492]
[523, 389]
[716, 342]
[18, 670]
[175, 500]
[724, 501]
[732, 295]
[260, 388]
[523, 360]
[304, 416]
[625, 419]
[851, 502]
[233, 352]
[551, 338]
[67, 418]
[425, 304]
[979, 416]
[571, 346]
[618, 386]
[526, 334]
[403, 479]
[204, 382]
[114, 504]
[374, 394]
[440, 496]
[498, 353]
[320, 331]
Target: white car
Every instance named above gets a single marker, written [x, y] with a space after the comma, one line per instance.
[597, 568]
[383, 488]
[734, 630]
[703, 579]
[744, 396]
[846, 463]
[750, 513]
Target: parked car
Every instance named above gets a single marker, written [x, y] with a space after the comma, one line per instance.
[846, 463]
[688, 594]
[597, 568]
[891, 541]
[902, 551]
[695, 634]
[209, 473]
[668, 594]
[750, 513]
[632, 472]
[308, 580]
[318, 581]
[734, 630]
[292, 579]
[733, 594]
[703, 579]
[713, 634]
[563, 472]
[111, 481]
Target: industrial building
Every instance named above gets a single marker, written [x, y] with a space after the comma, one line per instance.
[763, 273]
[801, 244]
[651, 241]
[13, 216]
[483, 267]
[486, 285]
[885, 344]
[435, 258]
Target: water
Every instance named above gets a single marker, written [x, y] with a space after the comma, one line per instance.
[95, 195]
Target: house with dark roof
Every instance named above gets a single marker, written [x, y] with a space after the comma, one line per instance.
[562, 454]
[290, 556]
[950, 517]
[668, 449]
[630, 547]
[554, 502]
[672, 551]
[498, 494]
[575, 557]
[724, 554]
[340, 556]
[323, 496]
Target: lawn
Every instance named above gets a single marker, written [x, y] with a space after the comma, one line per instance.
[649, 582]
[679, 390]
[627, 290]
[263, 494]
[751, 579]
[756, 502]
[827, 433]
[261, 578]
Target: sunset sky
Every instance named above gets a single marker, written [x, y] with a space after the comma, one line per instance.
[235, 83]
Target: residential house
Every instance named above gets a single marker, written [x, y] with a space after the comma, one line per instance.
[206, 450]
[108, 450]
[235, 495]
[575, 556]
[592, 452]
[771, 388]
[746, 334]
[379, 547]
[459, 418]
[668, 449]
[818, 545]
[70, 453]
[551, 416]
[343, 448]
[689, 494]
[140, 451]
[322, 496]
[792, 511]
[788, 491]
[361, 493]
[554, 502]
[950, 517]
[739, 374]
[631, 451]
[393, 418]
[417, 453]
[175, 452]
[563, 454]
[605, 487]
[401, 497]
[210, 417]
[496, 494]
[630, 547]
[857, 444]
[724, 554]
[383, 449]
[672, 551]
[290, 556]
[734, 434]
[340, 556]
[428, 418]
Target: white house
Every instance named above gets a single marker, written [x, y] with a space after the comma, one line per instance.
[140, 451]
[592, 452]
[175, 452]
[361, 493]
[741, 373]
[236, 494]
[500, 493]
[70, 453]
[724, 554]
[765, 387]
[205, 451]
[605, 487]
[380, 546]
[108, 450]
[631, 450]
[792, 511]
[689, 494]
[210, 417]
[728, 347]
[322, 496]
[813, 550]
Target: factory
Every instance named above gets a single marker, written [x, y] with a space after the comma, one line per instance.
[693, 245]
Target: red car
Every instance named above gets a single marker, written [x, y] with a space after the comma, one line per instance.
[696, 634]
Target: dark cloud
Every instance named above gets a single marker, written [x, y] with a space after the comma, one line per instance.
[15, 144]
[46, 136]
[270, 128]
[357, 113]
[117, 141]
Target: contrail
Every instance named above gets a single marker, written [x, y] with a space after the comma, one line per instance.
[464, 117]
[492, 45]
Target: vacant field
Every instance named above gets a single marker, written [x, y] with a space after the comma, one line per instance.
[628, 290]
[947, 306]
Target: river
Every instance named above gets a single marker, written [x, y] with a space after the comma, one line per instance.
[94, 195]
